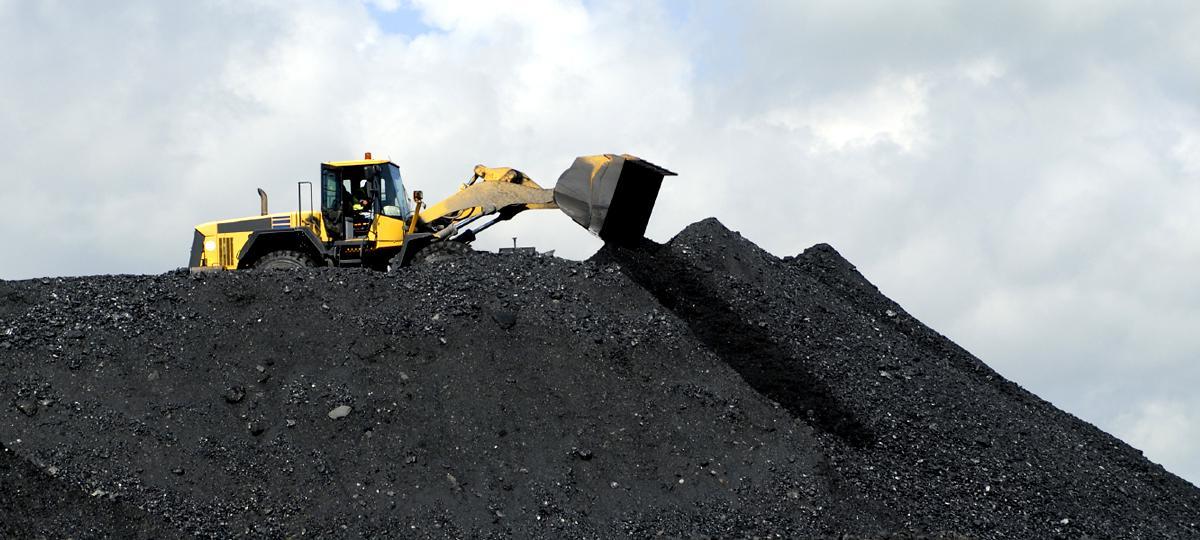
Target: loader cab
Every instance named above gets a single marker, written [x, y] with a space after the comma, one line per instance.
[356, 193]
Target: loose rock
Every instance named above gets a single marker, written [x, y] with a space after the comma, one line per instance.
[341, 411]
[235, 394]
[28, 407]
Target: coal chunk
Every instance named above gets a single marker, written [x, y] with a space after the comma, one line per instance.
[235, 394]
[28, 407]
[504, 318]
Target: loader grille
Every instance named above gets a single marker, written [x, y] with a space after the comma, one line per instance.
[225, 249]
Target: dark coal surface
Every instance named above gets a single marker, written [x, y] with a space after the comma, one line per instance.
[34, 505]
[909, 419]
[492, 397]
[701, 388]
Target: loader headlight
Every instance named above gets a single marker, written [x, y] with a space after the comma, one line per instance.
[210, 245]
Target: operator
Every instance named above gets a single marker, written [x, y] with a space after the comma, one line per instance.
[362, 200]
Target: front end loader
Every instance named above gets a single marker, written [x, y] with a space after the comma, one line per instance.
[361, 214]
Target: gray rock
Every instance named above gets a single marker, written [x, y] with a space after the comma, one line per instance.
[235, 394]
[29, 407]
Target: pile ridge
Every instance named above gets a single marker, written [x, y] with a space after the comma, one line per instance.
[931, 433]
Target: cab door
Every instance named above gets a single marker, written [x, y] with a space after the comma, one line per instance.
[392, 210]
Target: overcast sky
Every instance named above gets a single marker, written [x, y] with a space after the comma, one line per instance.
[1023, 176]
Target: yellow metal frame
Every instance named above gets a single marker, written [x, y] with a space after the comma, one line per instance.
[489, 191]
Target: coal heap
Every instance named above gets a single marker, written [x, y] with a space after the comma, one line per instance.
[701, 387]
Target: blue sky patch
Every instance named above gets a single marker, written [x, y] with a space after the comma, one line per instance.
[403, 20]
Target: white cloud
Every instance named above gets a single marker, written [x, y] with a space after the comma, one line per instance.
[1187, 152]
[983, 70]
[890, 111]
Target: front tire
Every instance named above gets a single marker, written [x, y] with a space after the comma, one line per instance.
[284, 260]
[442, 251]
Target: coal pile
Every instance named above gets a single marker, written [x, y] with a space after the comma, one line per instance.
[700, 388]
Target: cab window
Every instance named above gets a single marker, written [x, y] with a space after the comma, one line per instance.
[392, 197]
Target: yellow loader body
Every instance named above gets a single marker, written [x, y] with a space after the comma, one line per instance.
[365, 217]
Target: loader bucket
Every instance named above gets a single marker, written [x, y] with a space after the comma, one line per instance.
[610, 195]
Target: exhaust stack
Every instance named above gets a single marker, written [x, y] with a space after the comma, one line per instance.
[262, 202]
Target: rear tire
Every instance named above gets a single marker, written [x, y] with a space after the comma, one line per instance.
[440, 251]
[284, 260]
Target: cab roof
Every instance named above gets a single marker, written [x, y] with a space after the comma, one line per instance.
[367, 159]
[355, 163]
